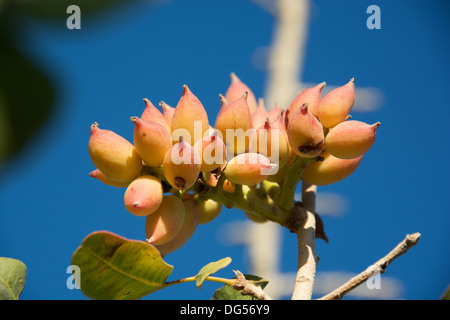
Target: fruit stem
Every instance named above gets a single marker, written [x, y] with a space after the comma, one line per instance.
[293, 176]
[246, 199]
[220, 182]
[229, 282]
[271, 189]
[179, 193]
[238, 190]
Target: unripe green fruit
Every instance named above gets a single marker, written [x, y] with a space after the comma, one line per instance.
[212, 152]
[113, 155]
[305, 133]
[144, 195]
[189, 115]
[163, 225]
[255, 218]
[330, 170]
[237, 89]
[248, 169]
[191, 221]
[311, 96]
[235, 117]
[209, 210]
[350, 139]
[153, 114]
[335, 107]
[151, 141]
[97, 174]
[181, 165]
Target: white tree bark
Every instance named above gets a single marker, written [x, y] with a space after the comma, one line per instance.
[306, 239]
[287, 52]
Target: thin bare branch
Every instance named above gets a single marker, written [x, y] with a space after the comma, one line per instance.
[378, 267]
[307, 258]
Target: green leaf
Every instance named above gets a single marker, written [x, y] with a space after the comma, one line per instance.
[257, 281]
[446, 294]
[26, 96]
[209, 269]
[12, 278]
[115, 268]
[228, 293]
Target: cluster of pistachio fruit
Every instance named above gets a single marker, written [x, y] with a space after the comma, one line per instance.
[177, 154]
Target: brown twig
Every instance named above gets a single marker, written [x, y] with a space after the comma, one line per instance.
[245, 287]
[378, 267]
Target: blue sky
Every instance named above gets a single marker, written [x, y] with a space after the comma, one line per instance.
[48, 203]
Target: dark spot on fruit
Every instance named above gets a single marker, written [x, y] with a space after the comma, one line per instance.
[180, 182]
[312, 148]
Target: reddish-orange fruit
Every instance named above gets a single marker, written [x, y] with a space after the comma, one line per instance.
[97, 174]
[237, 88]
[151, 141]
[305, 133]
[335, 107]
[191, 221]
[168, 112]
[153, 114]
[311, 96]
[271, 141]
[212, 152]
[235, 125]
[163, 225]
[190, 119]
[212, 180]
[144, 195]
[274, 114]
[351, 139]
[329, 169]
[260, 115]
[113, 155]
[181, 165]
[279, 121]
[228, 186]
[249, 169]
[223, 104]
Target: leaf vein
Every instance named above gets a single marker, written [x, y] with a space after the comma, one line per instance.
[131, 276]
